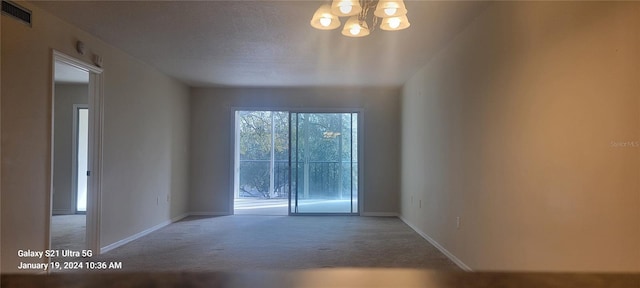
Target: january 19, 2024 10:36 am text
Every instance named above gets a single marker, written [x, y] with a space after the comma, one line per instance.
[48, 260]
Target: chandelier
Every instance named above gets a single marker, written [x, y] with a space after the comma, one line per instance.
[391, 15]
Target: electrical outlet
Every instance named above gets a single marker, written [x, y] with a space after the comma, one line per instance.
[458, 222]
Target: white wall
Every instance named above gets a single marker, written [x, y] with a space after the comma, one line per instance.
[146, 126]
[511, 128]
[211, 132]
[65, 96]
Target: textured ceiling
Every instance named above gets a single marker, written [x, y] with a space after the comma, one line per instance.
[265, 43]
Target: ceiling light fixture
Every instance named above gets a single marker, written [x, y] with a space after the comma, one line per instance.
[391, 14]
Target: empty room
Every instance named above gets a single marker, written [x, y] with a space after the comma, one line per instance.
[335, 142]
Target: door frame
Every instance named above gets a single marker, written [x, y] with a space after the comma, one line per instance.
[361, 146]
[94, 159]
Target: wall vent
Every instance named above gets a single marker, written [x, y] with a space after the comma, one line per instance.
[13, 10]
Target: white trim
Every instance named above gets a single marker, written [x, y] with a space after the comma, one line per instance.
[59, 56]
[234, 127]
[141, 234]
[379, 214]
[94, 192]
[361, 160]
[209, 214]
[236, 160]
[62, 211]
[74, 156]
[444, 251]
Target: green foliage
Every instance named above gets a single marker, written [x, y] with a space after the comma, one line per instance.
[321, 140]
[255, 149]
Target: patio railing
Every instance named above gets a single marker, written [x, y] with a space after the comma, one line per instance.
[323, 178]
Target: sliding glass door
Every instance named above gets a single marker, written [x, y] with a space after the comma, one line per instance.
[323, 163]
[261, 163]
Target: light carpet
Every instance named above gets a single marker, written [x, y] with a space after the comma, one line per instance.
[243, 242]
[68, 232]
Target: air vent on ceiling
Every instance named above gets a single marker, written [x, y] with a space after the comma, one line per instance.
[12, 9]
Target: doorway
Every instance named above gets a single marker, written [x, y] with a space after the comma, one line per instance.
[75, 154]
[324, 163]
[295, 163]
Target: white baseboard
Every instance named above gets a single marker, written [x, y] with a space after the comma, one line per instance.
[438, 246]
[140, 234]
[56, 212]
[379, 214]
[179, 217]
[209, 214]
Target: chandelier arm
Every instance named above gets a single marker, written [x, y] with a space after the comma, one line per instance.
[367, 6]
[375, 23]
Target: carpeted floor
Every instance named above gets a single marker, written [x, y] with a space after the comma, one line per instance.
[243, 242]
[68, 232]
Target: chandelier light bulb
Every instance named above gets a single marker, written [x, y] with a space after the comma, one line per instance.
[394, 22]
[390, 11]
[390, 8]
[346, 9]
[325, 21]
[355, 30]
